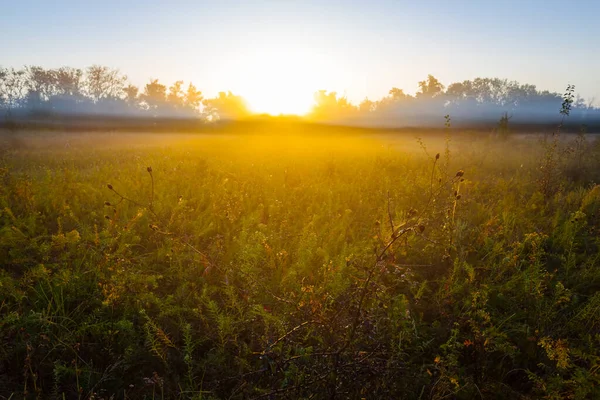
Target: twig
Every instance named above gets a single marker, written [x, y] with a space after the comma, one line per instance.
[290, 332]
[110, 187]
[390, 211]
[149, 169]
[366, 286]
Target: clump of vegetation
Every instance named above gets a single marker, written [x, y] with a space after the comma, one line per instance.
[297, 267]
[503, 130]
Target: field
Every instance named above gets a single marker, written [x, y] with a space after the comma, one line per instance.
[299, 265]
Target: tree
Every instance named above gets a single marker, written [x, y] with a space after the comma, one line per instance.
[193, 98]
[225, 106]
[131, 95]
[104, 83]
[176, 95]
[366, 106]
[3, 75]
[41, 85]
[68, 82]
[430, 87]
[13, 87]
[459, 90]
[397, 94]
[329, 106]
[155, 95]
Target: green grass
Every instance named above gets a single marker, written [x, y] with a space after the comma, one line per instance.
[315, 266]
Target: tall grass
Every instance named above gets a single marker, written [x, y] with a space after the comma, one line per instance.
[298, 267]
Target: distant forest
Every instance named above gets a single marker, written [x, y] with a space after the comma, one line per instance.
[38, 94]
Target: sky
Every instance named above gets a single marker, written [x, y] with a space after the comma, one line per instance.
[277, 53]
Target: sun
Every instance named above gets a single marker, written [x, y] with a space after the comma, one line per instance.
[279, 82]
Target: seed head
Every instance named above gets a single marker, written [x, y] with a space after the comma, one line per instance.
[149, 169]
[437, 156]
[421, 228]
[460, 173]
[458, 197]
[107, 217]
[106, 203]
[109, 186]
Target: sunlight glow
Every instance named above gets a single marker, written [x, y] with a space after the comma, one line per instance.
[280, 81]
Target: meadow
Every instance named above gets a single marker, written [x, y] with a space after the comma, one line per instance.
[329, 264]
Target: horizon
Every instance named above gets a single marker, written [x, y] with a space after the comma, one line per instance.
[276, 56]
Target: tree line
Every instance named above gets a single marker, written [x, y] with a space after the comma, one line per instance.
[470, 101]
[100, 90]
[34, 91]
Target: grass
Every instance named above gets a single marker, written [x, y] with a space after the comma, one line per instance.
[298, 266]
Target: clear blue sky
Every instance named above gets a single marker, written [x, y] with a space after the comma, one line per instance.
[361, 48]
